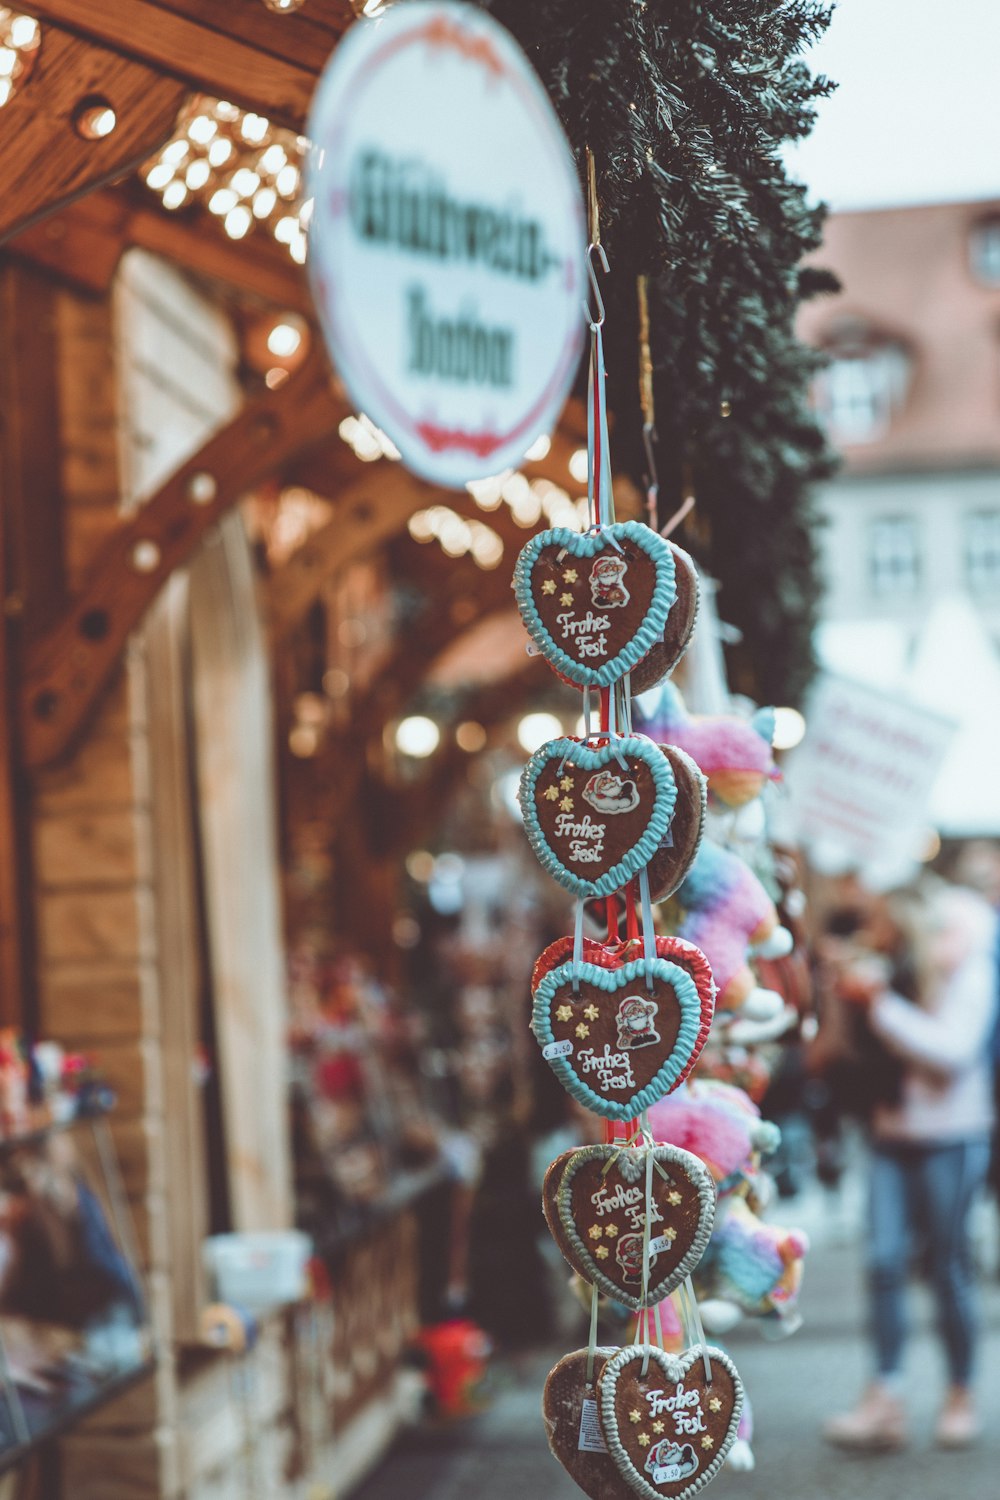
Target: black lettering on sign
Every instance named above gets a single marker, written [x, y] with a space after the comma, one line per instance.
[406, 204]
[460, 349]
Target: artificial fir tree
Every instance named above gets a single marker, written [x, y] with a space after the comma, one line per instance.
[686, 104]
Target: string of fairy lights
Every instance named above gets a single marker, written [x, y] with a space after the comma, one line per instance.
[19, 40]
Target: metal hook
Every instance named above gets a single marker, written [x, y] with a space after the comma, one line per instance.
[598, 322]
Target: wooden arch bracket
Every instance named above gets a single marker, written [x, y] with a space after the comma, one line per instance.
[65, 670]
[48, 158]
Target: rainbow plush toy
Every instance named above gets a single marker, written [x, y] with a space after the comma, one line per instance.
[724, 910]
[735, 754]
[751, 1269]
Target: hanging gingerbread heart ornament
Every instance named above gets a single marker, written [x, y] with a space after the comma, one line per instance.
[595, 602]
[595, 1203]
[668, 1431]
[620, 1038]
[665, 653]
[675, 856]
[596, 814]
[573, 1427]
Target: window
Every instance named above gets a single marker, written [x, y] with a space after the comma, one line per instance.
[894, 556]
[984, 251]
[982, 550]
[862, 389]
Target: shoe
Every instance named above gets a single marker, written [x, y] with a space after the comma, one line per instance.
[958, 1425]
[876, 1425]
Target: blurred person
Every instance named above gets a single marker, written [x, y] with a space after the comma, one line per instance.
[927, 989]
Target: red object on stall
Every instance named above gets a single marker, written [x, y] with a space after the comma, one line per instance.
[457, 1354]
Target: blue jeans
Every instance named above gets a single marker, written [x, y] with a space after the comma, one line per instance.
[930, 1189]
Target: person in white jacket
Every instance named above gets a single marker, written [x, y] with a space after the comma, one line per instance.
[930, 1147]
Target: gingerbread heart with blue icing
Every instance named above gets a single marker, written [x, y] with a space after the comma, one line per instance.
[596, 814]
[669, 1420]
[596, 1201]
[620, 1038]
[595, 603]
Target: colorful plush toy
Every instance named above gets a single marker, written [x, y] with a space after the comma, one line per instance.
[751, 1269]
[722, 907]
[722, 1125]
[735, 754]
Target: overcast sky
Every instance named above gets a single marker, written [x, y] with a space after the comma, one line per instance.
[916, 118]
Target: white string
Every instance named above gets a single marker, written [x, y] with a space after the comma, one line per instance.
[648, 932]
[577, 945]
[592, 1342]
[645, 1246]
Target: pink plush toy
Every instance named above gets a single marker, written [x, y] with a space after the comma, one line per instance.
[734, 753]
[723, 909]
[719, 1123]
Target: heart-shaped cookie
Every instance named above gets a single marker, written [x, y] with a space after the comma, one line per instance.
[669, 1431]
[594, 1201]
[595, 602]
[621, 1039]
[572, 1426]
[676, 853]
[596, 814]
[613, 955]
[665, 653]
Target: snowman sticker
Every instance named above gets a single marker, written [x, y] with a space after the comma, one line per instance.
[609, 793]
[636, 1022]
[607, 583]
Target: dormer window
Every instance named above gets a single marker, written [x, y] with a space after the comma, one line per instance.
[863, 386]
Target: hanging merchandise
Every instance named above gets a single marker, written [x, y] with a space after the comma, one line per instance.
[622, 1024]
[616, 817]
[446, 242]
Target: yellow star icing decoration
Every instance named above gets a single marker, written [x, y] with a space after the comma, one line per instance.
[635, 1416]
[670, 1234]
[549, 586]
[715, 1404]
[643, 1439]
[595, 1231]
[708, 1441]
[582, 1030]
[592, 1012]
[611, 1231]
[657, 1428]
[564, 1013]
[565, 598]
[552, 792]
[674, 1197]
[570, 575]
[601, 1252]
[566, 803]
[566, 784]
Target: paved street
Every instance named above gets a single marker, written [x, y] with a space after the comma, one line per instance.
[793, 1385]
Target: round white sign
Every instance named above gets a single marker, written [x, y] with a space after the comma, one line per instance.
[447, 240]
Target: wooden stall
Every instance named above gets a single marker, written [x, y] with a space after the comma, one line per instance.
[199, 661]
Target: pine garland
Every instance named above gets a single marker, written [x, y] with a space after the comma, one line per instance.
[685, 104]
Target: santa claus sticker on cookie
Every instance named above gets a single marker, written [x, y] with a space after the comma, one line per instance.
[607, 582]
[636, 1018]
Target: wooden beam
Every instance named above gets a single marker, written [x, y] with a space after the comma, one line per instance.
[67, 667]
[83, 243]
[374, 509]
[48, 161]
[255, 58]
[30, 470]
